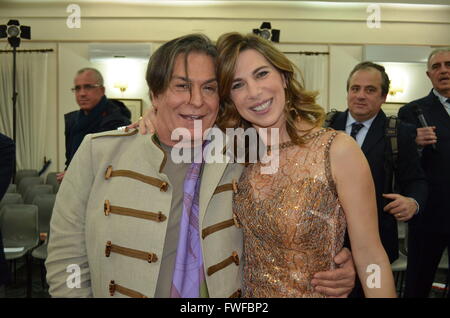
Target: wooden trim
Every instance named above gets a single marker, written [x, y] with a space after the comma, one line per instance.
[113, 287]
[217, 227]
[149, 257]
[133, 132]
[157, 217]
[234, 258]
[28, 51]
[223, 188]
[227, 187]
[162, 185]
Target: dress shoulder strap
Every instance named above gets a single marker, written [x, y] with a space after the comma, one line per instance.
[327, 161]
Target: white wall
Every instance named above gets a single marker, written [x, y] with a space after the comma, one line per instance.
[413, 78]
[342, 60]
[51, 139]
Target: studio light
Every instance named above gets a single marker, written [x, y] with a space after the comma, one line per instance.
[265, 31]
[14, 32]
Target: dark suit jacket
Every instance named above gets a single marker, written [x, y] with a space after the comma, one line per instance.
[436, 163]
[114, 116]
[7, 157]
[409, 176]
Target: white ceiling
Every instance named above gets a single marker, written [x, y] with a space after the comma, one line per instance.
[443, 2]
[432, 2]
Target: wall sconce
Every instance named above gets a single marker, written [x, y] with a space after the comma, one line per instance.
[394, 90]
[396, 86]
[398, 78]
[121, 85]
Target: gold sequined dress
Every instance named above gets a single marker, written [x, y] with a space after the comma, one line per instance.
[292, 221]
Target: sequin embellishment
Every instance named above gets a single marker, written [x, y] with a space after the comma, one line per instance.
[292, 220]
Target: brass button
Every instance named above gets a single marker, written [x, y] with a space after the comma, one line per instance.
[108, 249]
[108, 172]
[235, 220]
[161, 217]
[235, 257]
[164, 187]
[112, 288]
[107, 207]
[235, 188]
[151, 258]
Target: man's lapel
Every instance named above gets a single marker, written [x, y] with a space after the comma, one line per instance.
[212, 172]
[375, 133]
[436, 111]
[341, 121]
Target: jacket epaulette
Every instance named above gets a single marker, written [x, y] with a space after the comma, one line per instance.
[116, 133]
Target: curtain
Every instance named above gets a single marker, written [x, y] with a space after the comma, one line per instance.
[31, 106]
[314, 69]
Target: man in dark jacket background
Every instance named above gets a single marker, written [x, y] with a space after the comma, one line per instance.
[429, 237]
[367, 89]
[97, 113]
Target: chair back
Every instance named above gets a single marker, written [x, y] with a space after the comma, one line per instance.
[51, 179]
[45, 203]
[35, 190]
[26, 182]
[20, 174]
[12, 188]
[19, 225]
[11, 198]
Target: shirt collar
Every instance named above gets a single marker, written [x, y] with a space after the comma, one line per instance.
[441, 98]
[367, 123]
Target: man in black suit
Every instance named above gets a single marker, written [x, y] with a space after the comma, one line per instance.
[429, 237]
[367, 89]
[7, 157]
[96, 114]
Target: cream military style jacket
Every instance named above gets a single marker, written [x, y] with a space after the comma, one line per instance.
[110, 218]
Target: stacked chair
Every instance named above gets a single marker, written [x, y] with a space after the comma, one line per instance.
[51, 179]
[26, 183]
[400, 264]
[25, 213]
[20, 174]
[45, 203]
[11, 198]
[443, 266]
[12, 188]
[19, 227]
[35, 190]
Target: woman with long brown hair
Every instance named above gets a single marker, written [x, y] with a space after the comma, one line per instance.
[294, 219]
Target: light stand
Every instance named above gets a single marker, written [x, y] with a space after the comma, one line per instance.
[14, 31]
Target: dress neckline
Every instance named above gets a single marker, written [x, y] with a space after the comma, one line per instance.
[305, 137]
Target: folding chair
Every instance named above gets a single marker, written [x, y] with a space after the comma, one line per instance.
[35, 190]
[27, 182]
[19, 226]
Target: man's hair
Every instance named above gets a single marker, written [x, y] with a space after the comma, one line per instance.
[368, 65]
[436, 51]
[161, 63]
[98, 76]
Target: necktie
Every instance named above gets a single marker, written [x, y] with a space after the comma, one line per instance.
[356, 127]
[188, 275]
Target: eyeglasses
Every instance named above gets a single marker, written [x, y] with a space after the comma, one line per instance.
[87, 87]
